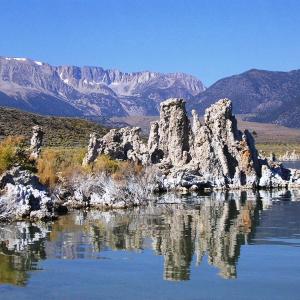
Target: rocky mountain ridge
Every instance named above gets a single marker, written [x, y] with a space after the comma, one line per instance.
[88, 91]
[269, 96]
[264, 96]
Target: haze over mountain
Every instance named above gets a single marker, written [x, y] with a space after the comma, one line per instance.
[88, 91]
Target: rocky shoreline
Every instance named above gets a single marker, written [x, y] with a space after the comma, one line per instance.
[180, 156]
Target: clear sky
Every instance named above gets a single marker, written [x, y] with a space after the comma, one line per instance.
[209, 39]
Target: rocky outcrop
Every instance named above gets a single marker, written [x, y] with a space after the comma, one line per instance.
[120, 144]
[36, 142]
[24, 197]
[124, 143]
[221, 151]
[93, 149]
[174, 132]
[193, 156]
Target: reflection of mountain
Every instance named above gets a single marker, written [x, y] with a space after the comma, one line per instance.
[213, 227]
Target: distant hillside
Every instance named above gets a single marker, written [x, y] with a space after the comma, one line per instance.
[271, 97]
[59, 131]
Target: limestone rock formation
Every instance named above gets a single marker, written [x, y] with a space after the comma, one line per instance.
[93, 149]
[36, 142]
[215, 152]
[222, 151]
[124, 143]
[23, 196]
[121, 144]
[194, 156]
[174, 132]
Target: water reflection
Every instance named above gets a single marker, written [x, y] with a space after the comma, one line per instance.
[215, 226]
[22, 246]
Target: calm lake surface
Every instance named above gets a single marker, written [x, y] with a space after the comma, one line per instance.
[294, 164]
[220, 246]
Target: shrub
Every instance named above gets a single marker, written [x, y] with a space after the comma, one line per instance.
[105, 164]
[56, 163]
[13, 151]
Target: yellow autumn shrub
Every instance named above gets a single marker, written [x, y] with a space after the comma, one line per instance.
[13, 152]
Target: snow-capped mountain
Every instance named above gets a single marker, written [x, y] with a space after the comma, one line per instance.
[88, 91]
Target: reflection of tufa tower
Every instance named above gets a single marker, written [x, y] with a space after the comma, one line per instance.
[216, 227]
[176, 243]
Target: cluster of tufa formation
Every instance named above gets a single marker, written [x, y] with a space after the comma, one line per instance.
[121, 144]
[22, 196]
[180, 155]
[195, 155]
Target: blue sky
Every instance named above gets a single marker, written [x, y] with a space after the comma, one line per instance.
[209, 39]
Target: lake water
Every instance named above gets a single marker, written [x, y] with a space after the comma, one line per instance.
[294, 164]
[220, 246]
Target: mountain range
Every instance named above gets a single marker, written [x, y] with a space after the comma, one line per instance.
[92, 92]
[88, 91]
[267, 96]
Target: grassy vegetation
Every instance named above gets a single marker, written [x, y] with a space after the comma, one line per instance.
[57, 164]
[278, 149]
[13, 152]
[59, 132]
